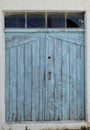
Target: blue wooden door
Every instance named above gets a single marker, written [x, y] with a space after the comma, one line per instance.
[45, 76]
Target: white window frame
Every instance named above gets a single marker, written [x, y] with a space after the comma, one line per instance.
[45, 14]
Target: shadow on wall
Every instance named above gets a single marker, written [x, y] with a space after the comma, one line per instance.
[82, 128]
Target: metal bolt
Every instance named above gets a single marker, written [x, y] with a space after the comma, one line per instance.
[26, 128]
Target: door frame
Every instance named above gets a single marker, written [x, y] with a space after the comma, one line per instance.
[38, 125]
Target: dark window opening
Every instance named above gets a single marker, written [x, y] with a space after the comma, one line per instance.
[75, 20]
[44, 20]
[15, 21]
[10, 21]
[35, 21]
[55, 21]
[71, 24]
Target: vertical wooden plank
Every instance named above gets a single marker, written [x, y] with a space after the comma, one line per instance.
[80, 83]
[73, 98]
[36, 81]
[82, 110]
[7, 85]
[51, 82]
[78, 77]
[13, 84]
[46, 85]
[50, 73]
[57, 78]
[65, 80]
[21, 77]
[42, 78]
[28, 78]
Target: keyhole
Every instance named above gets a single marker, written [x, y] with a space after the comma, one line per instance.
[49, 57]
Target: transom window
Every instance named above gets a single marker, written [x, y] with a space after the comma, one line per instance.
[44, 20]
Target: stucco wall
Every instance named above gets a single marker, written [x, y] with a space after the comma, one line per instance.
[43, 5]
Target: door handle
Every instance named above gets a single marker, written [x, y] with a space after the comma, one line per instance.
[49, 75]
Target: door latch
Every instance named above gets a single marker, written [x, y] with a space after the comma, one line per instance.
[49, 75]
[26, 128]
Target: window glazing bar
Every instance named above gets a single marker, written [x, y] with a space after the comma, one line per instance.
[25, 20]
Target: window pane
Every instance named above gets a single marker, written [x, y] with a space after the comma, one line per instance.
[75, 20]
[55, 21]
[16, 20]
[35, 21]
[21, 21]
[10, 21]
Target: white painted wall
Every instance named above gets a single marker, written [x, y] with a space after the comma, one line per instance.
[43, 5]
[2, 71]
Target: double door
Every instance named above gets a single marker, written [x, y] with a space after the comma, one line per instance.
[45, 76]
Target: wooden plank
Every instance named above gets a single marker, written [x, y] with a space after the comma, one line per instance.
[36, 81]
[50, 73]
[82, 110]
[13, 84]
[73, 98]
[42, 53]
[46, 87]
[21, 82]
[51, 63]
[80, 83]
[28, 87]
[7, 85]
[78, 76]
[65, 80]
[24, 38]
[57, 78]
[75, 38]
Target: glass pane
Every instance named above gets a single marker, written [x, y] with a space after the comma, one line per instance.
[21, 21]
[16, 20]
[56, 21]
[10, 21]
[35, 21]
[75, 20]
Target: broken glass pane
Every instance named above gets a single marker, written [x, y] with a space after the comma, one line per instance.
[75, 20]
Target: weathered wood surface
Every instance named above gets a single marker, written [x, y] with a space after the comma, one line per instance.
[45, 76]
